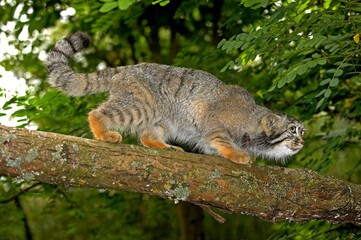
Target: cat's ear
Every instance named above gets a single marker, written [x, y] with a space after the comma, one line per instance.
[269, 121]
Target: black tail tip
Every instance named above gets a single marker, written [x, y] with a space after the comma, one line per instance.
[85, 38]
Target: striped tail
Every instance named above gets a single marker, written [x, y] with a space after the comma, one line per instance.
[63, 77]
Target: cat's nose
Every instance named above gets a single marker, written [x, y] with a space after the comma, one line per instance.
[301, 141]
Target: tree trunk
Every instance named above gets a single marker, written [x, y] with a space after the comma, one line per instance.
[271, 193]
[191, 221]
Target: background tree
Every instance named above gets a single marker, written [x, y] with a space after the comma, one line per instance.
[299, 57]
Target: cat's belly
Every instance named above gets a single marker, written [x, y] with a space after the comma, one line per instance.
[189, 135]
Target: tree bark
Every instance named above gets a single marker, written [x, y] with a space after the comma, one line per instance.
[271, 193]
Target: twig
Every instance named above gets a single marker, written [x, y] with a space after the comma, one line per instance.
[19, 193]
[215, 215]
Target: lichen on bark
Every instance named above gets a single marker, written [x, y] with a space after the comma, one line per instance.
[271, 193]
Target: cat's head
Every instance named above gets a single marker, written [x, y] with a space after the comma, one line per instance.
[283, 136]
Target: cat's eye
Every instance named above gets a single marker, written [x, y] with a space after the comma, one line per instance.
[292, 129]
[302, 132]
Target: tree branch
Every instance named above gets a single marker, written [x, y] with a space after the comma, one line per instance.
[271, 193]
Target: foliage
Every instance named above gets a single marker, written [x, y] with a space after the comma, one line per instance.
[312, 49]
[306, 231]
[300, 57]
[302, 41]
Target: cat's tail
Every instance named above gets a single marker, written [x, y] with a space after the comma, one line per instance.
[63, 77]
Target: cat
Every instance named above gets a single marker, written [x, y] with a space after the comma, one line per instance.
[162, 104]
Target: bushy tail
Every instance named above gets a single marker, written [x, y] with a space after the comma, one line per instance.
[63, 77]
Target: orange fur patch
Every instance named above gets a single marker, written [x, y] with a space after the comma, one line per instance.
[148, 142]
[96, 126]
[233, 154]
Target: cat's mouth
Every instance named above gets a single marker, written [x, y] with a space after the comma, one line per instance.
[296, 149]
[296, 145]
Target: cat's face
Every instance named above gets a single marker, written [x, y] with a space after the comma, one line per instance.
[284, 136]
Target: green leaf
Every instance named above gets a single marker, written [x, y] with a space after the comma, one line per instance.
[221, 43]
[164, 3]
[250, 37]
[89, 19]
[334, 48]
[124, 4]
[291, 76]
[324, 82]
[343, 65]
[302, 69]
[321, 93]
[246, 45]
[282, 82]
[252, 3]
[312, 64]
[274, 85]
[334, 82]
[20, 113]
[161, 2]
[307, 52]
[7, 104]
[229, 65]
[320, 40]
[242, 36]
[277, 16]
[321, 61]
[108, 6]
[238, 44]
[264, 3]
[356, 7]
[6, 107]
[328, 93]
[320, 103]
[287, 79]
[338, 72]
[332, 70]
[316, 55]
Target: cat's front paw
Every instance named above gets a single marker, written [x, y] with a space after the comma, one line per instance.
[233, 154]
[241, 158]
[113, 137]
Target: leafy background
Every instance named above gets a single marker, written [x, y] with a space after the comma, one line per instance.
[299, 57]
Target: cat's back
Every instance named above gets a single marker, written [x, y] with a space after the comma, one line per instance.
[175, 83]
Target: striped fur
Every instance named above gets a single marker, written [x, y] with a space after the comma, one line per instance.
[164, 104]
[63, 77]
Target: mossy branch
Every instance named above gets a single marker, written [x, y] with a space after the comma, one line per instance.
[271, 193]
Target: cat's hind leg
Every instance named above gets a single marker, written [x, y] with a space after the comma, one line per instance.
[100, 121]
